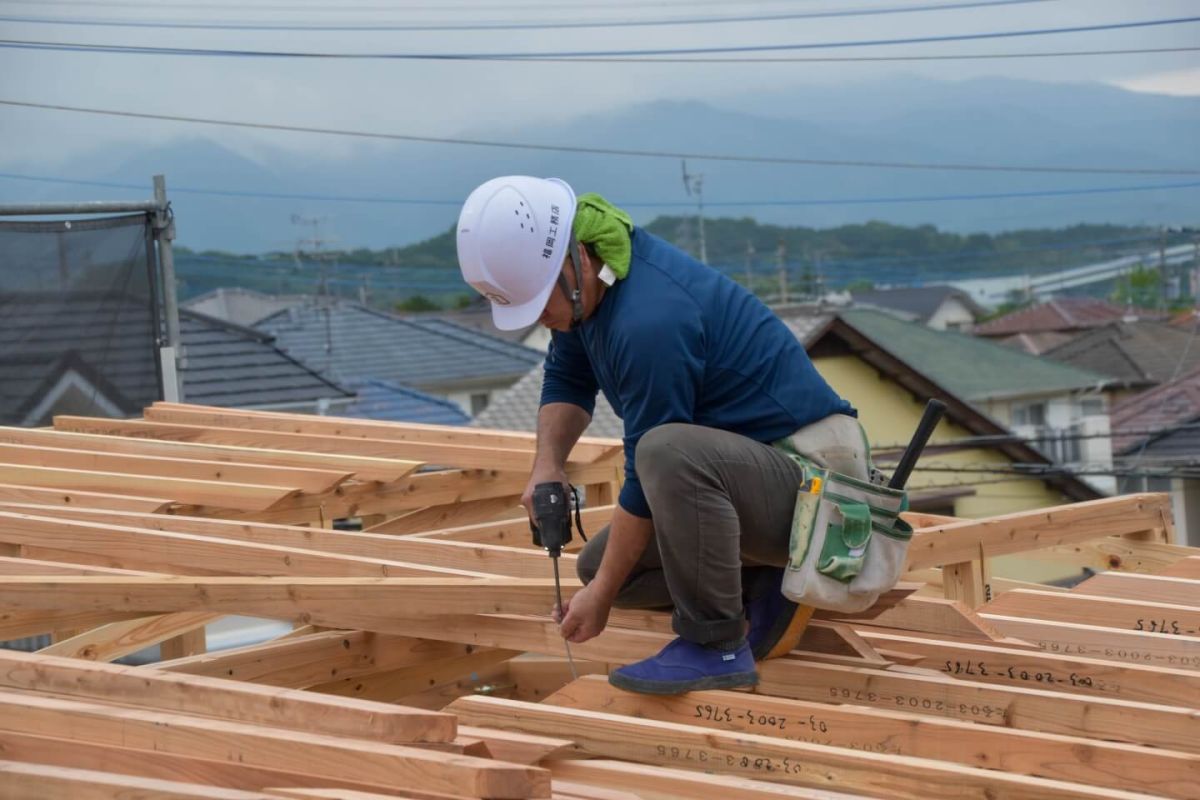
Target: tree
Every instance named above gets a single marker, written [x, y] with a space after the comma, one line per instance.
[1140, 287]
[418, 302]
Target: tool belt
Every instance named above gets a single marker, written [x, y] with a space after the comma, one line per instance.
[848, 543]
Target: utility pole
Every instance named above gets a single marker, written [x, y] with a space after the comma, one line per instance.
[315, 245]
[693, 184]
[750, 265]
[781, 261]
[1162, 267]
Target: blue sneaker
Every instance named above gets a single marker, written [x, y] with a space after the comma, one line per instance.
[684, 666]
[776, 623]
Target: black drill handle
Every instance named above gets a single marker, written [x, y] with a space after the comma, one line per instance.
[934, 411]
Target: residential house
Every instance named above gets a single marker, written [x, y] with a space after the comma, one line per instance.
[1038, 328]
[1138, 354]
[1157, 439]
[389, 401]
[939, 307]
[890, 393]
[240, 306]
[478, 317]
[350, 343]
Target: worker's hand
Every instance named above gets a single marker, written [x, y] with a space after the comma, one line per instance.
[584, 615]
[542, 475]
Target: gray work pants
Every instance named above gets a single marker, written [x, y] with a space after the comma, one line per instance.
[722, 506]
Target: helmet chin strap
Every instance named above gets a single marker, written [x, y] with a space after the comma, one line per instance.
[574, 296]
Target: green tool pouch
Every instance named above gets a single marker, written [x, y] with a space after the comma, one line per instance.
[848, 543]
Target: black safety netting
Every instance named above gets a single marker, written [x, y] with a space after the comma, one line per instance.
[79, 322]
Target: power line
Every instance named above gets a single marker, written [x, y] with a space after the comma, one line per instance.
[373, 7]
[860, 59]
[508, 26]
[608, 151]
[632, 204]
[24, 44]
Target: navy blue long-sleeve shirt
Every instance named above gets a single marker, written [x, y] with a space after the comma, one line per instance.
[677, 341]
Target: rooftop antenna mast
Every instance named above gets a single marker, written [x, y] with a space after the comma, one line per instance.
[693, 184]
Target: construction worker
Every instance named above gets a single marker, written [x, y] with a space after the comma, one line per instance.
[705, 378]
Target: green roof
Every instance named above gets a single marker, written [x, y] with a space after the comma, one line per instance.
[969, 366]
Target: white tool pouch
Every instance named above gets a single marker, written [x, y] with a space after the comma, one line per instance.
[848, 543]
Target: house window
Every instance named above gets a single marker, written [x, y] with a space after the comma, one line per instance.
[1029, 414]
[479, 402]
[1091, 407]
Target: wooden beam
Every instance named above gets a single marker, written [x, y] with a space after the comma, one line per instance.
[392, 685]
[308, 480]
[965, 583]
[367, 603]
[1163, 618]
[1124, 553]
[185, 553]
[587, 449]
[1188, 568]
[272, 748]
[438, 554]
[20, 781]
[794, 762]
[1065, 758]
[384, 470]
[239, 496]
[957, 542]
[1148, 588]
[191, 642]
[160, 690]
[117, 639]
[15, 565]
[464, 456]
[1092, 641]
[170, 766]
[515, 532]
[17, 493]
[435, 517]
[663, 783]
[19, 624]
[931, 615]
[1062, 673]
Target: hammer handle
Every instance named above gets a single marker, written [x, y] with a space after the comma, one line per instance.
[934, 411]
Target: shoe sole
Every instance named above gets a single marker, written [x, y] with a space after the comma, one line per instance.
[734, 680]
[788, 636]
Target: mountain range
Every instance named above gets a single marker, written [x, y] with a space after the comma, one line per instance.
[986, 121]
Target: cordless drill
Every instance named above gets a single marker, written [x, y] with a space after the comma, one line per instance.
[551, 522]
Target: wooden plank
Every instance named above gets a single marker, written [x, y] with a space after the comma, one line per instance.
[117, 639]
[160, 690]
[1163, 618]
[191, 642]
[384, 470]
[170, 766]
[1062, 673]
[367, 603]
[663, 783]
[445, 516]
[1188, 568]
[272, 748]
[1125, 553]
[17, 493]
[1066, 758]
[750, 755]
[185, 553]
[965, 583]
[13, 565]
[931, 694]
[392, 685]
[460, 557]
[240, 496]
[515, 532]
[587, 449]
[20, 781]
[1074, 638]
[19, 624]
[308, 480]
[932, 577]
[520, 748]
[464, 456]
[1148, 588]
[1030, 530]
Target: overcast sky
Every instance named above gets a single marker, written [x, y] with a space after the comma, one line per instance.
[439, 98]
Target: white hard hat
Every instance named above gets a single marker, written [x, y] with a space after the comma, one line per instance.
[513, 234]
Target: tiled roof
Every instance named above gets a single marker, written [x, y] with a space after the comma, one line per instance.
[1164, 407]
[1060, 314]
[973, 368]
[349, 342]
[236, 367]
[1139, 353]
[516, 409]
[388, 401]
[920, 301]
[1034, 343]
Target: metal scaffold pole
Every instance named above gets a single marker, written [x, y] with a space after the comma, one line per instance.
[173, 356]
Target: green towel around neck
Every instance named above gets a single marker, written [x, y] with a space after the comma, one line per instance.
[607, 228]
